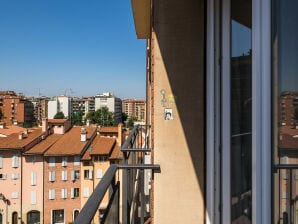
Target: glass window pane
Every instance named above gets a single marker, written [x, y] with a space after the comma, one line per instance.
[285, 110]
[241, 111]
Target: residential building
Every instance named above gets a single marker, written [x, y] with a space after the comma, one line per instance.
[62, 173]
[60, 103]
[83, 105]
[135, 108]
[6, 130]
[112, 102]
[12, 174]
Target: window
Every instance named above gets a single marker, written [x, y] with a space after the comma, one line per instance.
[52, 176]
[1, 161]
[75, 192]
[75, 214]
[58, 216]
[33, 159]
[33, 217]
[64, 175]
[15, 161]
[64, 161]
[33, 178]
[88, 174]
[33, 197]
[3, 176]
[87, 163]
[77, 160]
[86, 192]
[52, 161]
[64, 193]
[14, 176]
[52, 194]
[14, 218]
[99, 174]
[75, 175]
[14, 195]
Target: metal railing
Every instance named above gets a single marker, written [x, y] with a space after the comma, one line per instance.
[135, 195]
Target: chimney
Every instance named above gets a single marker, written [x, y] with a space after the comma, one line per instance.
[26, 131]
[83, 135]
[120, 128]
[20, 135]
[88, 123]
[44, 124]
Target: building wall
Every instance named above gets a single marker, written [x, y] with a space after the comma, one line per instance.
[68, 204]
[178, 73]
[8, 186]
[52, 108]
[64, 105]
[32, 164]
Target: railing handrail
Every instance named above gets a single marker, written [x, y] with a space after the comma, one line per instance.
[130, 136]
[90, 208]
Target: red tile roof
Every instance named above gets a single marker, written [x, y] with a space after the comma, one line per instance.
[116, 153]
[10, 129]
[57, 121]
[70, 143]
[102, 145]
[108, 130]
[13, 142]
[44, 145]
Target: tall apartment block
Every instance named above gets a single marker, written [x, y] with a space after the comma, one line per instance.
[16, 109]
[134, 108]
[84, 105]
[60, 103]
[110, 101]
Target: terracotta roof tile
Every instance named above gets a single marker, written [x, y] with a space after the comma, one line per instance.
[13, 142]
[86, 155]
[116, 153]
[102, 145]
[70, 143]
[108, 130]
[57, 121]
[44, 145]
[8, 130]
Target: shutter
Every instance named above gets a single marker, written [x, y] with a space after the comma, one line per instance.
[76, 160]
[1, 161]
[64, 161]
[86, 192]
[15, 195]
[71, 193]
[50, 194]
[99, 173]
[33, 198]
[14, 176]
[72, 175]
[90, 174]
[33, 178]
[15, 161]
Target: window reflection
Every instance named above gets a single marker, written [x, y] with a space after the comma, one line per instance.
[241, 112]
[285, 101]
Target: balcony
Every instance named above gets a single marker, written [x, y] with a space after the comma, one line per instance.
[128, 185]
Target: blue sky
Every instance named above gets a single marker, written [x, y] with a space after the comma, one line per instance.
[89, 46]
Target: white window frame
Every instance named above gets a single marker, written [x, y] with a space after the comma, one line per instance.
[63, 193]
[77, 160]
[33, 178]
[52, 176]
[15, 161]
[261, 112]
[64, 175]
[52, 161]
[64, 161]
[52, 194]
[33, 197]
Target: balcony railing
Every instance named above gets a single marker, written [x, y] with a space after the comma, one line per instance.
[132, 192]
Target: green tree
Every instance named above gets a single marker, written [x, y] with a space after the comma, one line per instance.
[131, 121]
[59, 115]
[102, 117]
[124, 117]
[77, 118]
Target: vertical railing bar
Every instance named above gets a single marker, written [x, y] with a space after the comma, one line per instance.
[142, 195]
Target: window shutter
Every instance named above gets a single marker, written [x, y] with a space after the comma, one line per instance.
[1, 161]
[52, 161]
[72, 175]
[14, 176]
[90, 174]
[76, 160]
[99, 173]
[72, 193]
[33, 198]
[64, 175]
[51, 176]
[64, 193]
[86, 192]
[64, 161]
[33, 178]
[15, 161]
[14, 195]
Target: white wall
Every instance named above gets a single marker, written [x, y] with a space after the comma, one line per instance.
[52, 108]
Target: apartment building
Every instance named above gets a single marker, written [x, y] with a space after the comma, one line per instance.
[6, 130]
[134, 108]
[62, 173]
[112, 102]
[60, 103]
[84, 105]
[12, 174]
